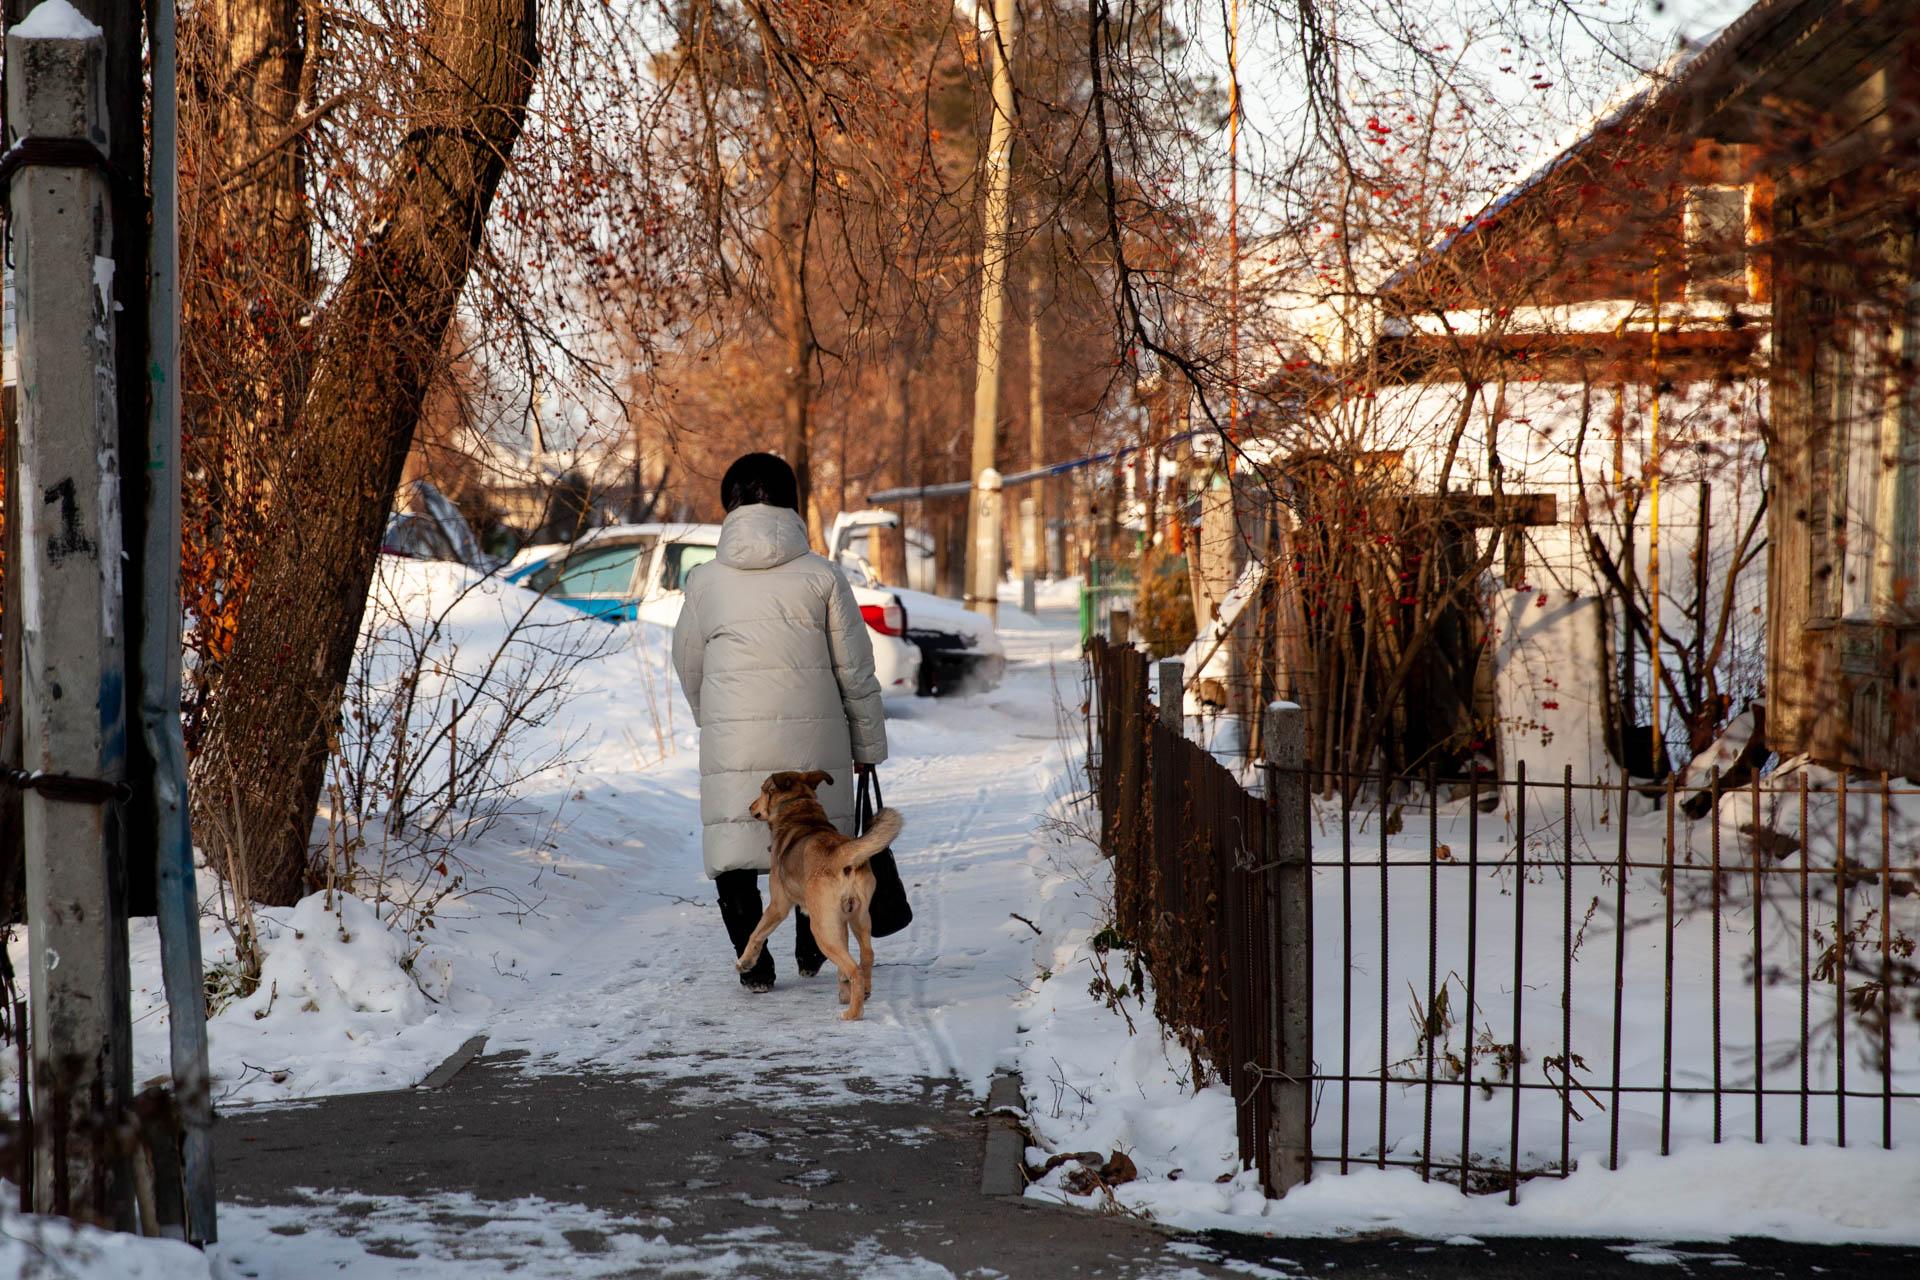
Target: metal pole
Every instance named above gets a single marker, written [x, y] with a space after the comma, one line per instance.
[1036, 400]
[1029, 551]
[177, 901]
[1657, 730]
[72, 634]
[994, 251]
[1233, 230]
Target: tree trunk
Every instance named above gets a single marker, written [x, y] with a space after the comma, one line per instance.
[250, 240]
[259, 772]
[996, 219]
[1036, 405]
[247, 273]
[890, 545]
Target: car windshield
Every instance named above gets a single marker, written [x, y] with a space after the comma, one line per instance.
[599, 571]
[683, 558]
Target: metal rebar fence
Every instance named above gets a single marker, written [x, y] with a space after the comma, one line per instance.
[1517, 974]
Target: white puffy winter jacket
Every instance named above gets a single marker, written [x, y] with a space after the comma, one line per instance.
[776, 664]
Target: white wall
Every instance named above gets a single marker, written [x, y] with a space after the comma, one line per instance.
[1548, 652]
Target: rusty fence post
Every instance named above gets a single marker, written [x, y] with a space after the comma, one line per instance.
[1120, 626]
[1173, 677]
[1290, 884]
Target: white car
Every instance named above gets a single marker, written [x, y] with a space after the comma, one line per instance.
[634, 571]
[960, 651]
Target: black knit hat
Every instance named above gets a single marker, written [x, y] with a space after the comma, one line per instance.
[760, 477]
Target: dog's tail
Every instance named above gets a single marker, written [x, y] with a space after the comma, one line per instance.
[881, 832]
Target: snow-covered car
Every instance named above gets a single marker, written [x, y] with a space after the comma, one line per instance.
[960, 651]
[853, 534]
[624, 572]
[425, 525]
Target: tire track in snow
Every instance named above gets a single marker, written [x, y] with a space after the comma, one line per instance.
[916, 1017]
[984, 822]
[646, 985]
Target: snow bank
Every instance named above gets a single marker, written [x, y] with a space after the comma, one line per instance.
[1096, 1084]
[333, 972]
[1815, 1195]
[497, 652]
[37, 1245]
[338, 1007]
[349, 999]
[1048, 593]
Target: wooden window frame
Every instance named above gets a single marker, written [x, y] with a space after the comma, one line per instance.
[1863, 401]
[1732, 284]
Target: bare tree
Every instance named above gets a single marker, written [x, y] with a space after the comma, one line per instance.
[302, 611]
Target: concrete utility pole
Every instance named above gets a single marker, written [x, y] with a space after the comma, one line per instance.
[1288, 883]
[983, 557]
[1029, 552]
[1217, 556]
[983, 536]
[74, 641]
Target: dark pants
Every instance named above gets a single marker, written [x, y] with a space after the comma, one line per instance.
[741, 909]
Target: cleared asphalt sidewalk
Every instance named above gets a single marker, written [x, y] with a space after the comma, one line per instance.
[789, 1185]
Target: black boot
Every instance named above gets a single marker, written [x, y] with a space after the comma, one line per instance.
[740, 911]
[807, 956]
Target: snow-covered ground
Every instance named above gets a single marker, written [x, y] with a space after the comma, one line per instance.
[582, 930]
[1092, 1085]
[586, 933]
[33, 1246]
[1097, 1084]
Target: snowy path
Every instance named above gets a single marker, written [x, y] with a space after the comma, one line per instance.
[639, 1113]
[588, 936]
[646, 981]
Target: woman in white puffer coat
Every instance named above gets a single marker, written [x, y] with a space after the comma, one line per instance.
[774, 658]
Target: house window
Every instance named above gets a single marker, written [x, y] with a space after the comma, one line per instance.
[1873, 496]
[1716, 229]
[1859, 433]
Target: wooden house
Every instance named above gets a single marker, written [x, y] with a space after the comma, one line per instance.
[1824, 99]
[1603, 323]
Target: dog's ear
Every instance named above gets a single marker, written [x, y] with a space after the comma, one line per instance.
[816, 778]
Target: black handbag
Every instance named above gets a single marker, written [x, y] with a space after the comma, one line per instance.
[890, 911]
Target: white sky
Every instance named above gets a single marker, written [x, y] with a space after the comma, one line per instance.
[1542, 120]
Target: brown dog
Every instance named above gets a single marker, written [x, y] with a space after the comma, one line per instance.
[822, 871]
